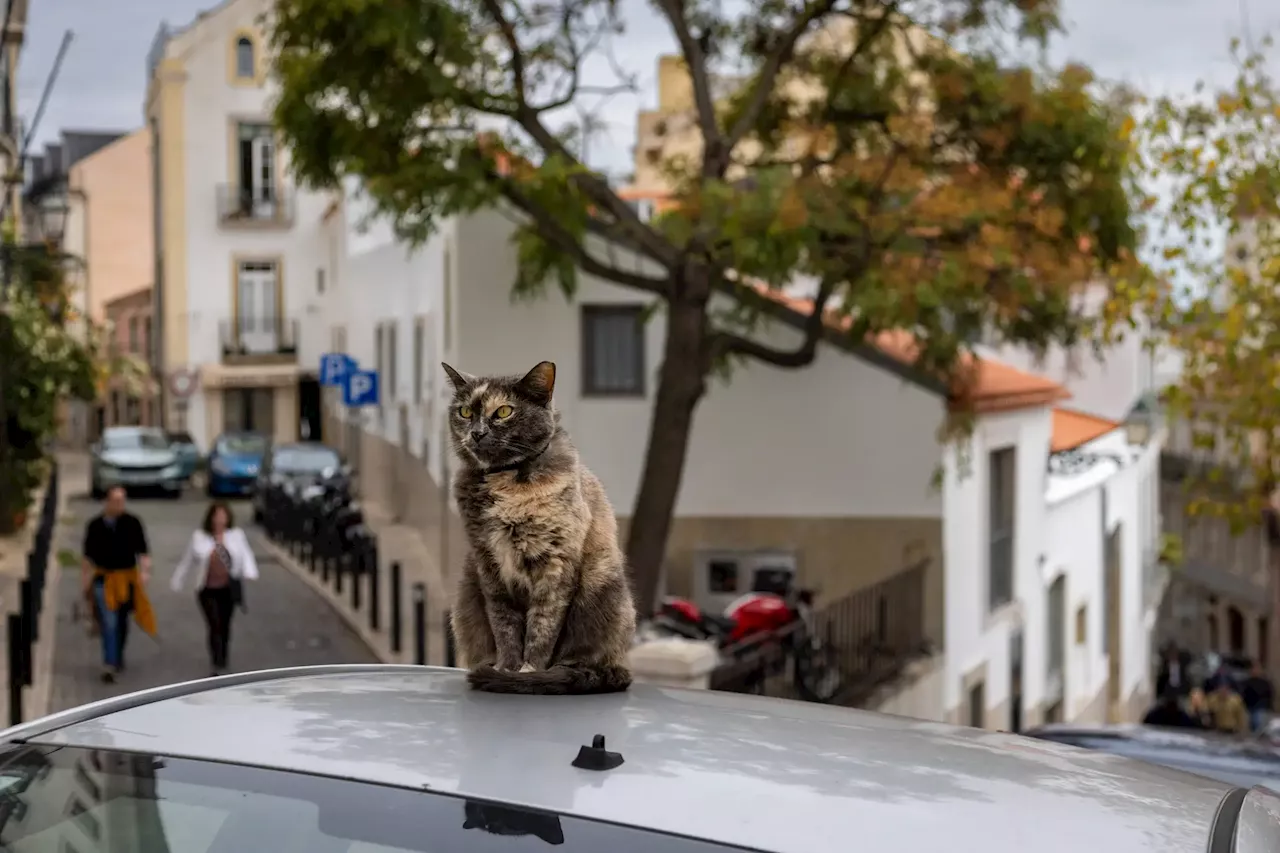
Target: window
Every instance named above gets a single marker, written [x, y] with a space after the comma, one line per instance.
[1082, 625]
[146, 337]
[258, 321]
[246, 61]
[978, 705]
[1057, 639]
[419, 345]
[133, 334]
[191, 806]
[1003, 488]
[320, 281]
[255, 170]
[613, 362]
[722, 575]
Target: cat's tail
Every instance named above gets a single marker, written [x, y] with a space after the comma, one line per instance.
[559, 680]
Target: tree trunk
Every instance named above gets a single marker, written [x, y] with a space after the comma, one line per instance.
[681, 384]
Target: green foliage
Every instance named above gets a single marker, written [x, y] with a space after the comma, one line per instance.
[1214, 157]
[42, 361]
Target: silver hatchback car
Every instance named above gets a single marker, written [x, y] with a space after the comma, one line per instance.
[386, 759]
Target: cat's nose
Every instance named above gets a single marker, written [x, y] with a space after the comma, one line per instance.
[478, 435]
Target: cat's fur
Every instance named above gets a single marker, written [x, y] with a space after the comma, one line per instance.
[544, 605]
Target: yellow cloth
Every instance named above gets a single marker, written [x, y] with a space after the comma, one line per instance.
[116, 588]
[1228, 712]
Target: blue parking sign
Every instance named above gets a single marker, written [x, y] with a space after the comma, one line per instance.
[334, 367]
[360, 389]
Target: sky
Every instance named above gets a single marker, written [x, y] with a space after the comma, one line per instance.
[1155, 45]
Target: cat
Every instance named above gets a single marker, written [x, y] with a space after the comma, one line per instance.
[544, 605]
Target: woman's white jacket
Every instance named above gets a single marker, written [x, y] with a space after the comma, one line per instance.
[243, 565]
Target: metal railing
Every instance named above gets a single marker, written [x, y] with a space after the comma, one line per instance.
[24, 626]
[351, 567]
[247, 337]
[873, 634]
[241, 205]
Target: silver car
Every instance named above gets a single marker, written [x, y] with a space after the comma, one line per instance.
[392, 759]
[136, 458]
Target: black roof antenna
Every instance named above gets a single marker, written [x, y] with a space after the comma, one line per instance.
[596, 757]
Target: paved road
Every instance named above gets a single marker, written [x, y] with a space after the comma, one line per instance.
[287, 624]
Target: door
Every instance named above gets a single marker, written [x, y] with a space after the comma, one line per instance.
[310, 410]
[1115, 709]
[262, 162]
[251, 409]
[257, 315]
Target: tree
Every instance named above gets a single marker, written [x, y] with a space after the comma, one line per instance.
[43, 362]
[1211, 158]
[924, 188]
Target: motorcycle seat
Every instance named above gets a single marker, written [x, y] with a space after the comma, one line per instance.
[719, 624]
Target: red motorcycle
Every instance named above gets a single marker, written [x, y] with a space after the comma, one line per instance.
[755, 619]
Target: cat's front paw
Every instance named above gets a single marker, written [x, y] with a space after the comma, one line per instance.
[528, 667]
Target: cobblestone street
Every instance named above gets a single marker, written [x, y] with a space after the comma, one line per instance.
[286, 624]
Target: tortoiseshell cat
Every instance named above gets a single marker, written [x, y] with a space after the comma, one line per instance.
[544, 605]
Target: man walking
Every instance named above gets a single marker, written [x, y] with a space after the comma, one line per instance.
[115, 568]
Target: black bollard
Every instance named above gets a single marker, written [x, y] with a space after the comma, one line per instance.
[339, 566]
[397, 628]
[357, 574]
[450, 645]
[419, 624]
[375, 581]
[27, 601]
[16, 667]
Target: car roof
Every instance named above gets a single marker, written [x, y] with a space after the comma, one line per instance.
[768, 774]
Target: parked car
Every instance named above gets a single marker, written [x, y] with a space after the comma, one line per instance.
[299, 464]
[188, 452]
[407, 758]
[137, 458]
[234, 463]
[1237, 760]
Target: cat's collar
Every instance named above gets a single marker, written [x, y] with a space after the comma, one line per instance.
[514, 466]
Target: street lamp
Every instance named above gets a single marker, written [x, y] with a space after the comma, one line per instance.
[1142, 420]
[53, 218]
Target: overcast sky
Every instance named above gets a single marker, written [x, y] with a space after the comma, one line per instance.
[1154, 44]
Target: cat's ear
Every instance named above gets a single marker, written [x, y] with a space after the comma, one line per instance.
[457, 378]
[538, 383]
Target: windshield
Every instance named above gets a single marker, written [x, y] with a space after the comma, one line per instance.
[305, 460]
[134, 439]
[247, 444]
[59, 799]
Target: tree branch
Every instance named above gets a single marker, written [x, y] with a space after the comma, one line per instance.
[813, 328]
[557, 235]
[715, 152]
[529, 119]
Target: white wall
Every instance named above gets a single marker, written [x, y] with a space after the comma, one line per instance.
[211, 106]
[1106, 387]
[838, 438]
[974, 634]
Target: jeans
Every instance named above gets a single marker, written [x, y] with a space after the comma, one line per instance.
[115, 628]
[217, 608]
[1258, 718]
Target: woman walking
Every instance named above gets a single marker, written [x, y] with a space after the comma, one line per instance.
[222, 558]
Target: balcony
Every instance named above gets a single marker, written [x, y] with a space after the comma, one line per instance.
[254, 341]
[255, 207]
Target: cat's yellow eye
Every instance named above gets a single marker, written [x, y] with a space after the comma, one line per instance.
[464, 411]
[503, 412]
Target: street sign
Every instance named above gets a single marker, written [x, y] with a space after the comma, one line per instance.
[334, 368]
[183, 382]
[360, 389]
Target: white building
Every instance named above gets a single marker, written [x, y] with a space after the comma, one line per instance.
[237, 275]
[826, 472]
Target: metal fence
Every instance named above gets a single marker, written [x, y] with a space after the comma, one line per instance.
[353, 569]
[873, 634]
[24, 626]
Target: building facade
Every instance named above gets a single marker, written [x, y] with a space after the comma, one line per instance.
[125, 402]
[236, 276]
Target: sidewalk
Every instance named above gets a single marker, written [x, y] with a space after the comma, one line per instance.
[396, 543]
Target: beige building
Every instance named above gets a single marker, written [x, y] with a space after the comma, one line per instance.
[109, 217]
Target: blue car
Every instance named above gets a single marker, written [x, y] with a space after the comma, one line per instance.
[234, 463]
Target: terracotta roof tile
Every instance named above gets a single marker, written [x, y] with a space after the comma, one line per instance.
[1072, 429]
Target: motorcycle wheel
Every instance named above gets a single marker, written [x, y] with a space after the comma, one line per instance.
[817, 674]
